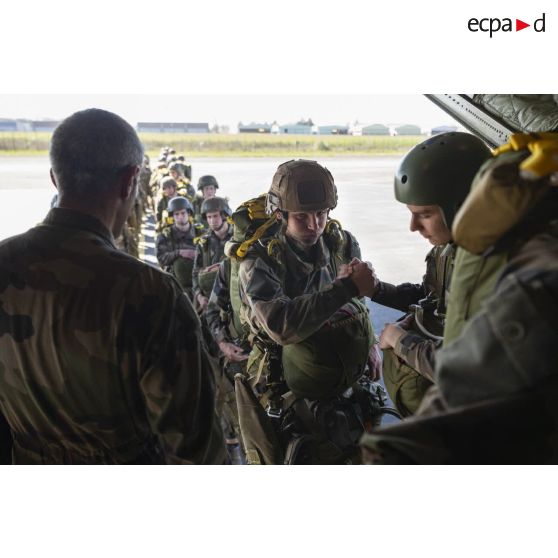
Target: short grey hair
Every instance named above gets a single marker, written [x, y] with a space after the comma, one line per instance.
[89, 149]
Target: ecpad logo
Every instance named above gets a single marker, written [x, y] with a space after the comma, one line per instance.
[494, 24]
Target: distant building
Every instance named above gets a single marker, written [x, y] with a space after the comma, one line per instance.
[44, 125]
[254, 128]
[173, 127]
[333, 130]
[443, 130]
[375, 130]
[15, 125]
[300, 127]
[408, 130]
[7, 125]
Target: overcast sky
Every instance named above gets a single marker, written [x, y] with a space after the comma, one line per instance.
[230, 109]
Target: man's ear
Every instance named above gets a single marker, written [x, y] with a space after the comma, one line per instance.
[53, 179]
[128, 182]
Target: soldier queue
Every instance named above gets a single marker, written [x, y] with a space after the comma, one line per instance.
[254, 344]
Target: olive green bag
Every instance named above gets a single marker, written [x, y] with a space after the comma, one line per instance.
[182, 270]
[330, 360]
[206, 279]
[405, 386]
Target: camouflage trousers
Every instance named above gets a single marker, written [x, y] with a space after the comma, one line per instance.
[405, 386]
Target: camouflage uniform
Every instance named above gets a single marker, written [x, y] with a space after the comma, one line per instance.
[414, 347]
[197, 203]
[210, 249]
[219, 313]
[220, 320]
[101, 359]
[168, 245]
[290, 310]
[162, 207]
[496, 393]
[497, 383]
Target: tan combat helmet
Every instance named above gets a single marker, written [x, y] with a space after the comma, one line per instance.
[301, 185]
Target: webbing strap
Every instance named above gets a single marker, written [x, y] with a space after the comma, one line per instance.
[260, 231]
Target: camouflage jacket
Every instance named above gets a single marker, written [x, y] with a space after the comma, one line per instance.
[291, 304]
[219, 305]
[495, 400]
[101, 359]
[415, 348]
[171, 241]
[162, 205]
[210, 249]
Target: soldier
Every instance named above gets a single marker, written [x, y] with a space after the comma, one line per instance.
[496, 395]
[175, 247]
[207, 188]
[210, 248]
[101, 354]
[186, 168]
[184, 187]
[168, 188]
[433, 179]
[312, 334]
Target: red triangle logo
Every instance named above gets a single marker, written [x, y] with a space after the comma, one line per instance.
[519, 25]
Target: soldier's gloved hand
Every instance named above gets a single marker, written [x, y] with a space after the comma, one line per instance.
[364, 278]
[375, 363]
[188, 253]
[202, 301]
[232, 352]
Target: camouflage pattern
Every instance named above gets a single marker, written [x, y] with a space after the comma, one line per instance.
[219, 310]
[210, 249]
[415, 348]
[168, 246]
[290, 309]
[218, 318]
[496, 393]
[101, 360]
[197, 204]
[301, 185]
[170, 242]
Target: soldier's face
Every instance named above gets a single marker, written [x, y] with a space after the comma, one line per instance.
[429, 221]
[208, 192]
[306, 226]
[214, 220]
[174, 174]
[181, 217]
[169, 192]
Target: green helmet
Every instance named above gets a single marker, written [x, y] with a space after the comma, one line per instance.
[439, 171]
[207, 180]
[212, 205]
[301, 185]
[178, 203]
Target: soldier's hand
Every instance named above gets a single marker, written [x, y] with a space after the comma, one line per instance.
[213, 267]
[390, 335]
[344, 271]
[232, 352]
[364, 278]
[188, 253]
[202, 301]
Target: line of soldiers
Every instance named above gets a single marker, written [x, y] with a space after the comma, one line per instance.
[104, 360]
[299, 358]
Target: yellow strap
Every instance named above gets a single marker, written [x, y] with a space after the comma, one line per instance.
[544, 153]
[243, 248]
